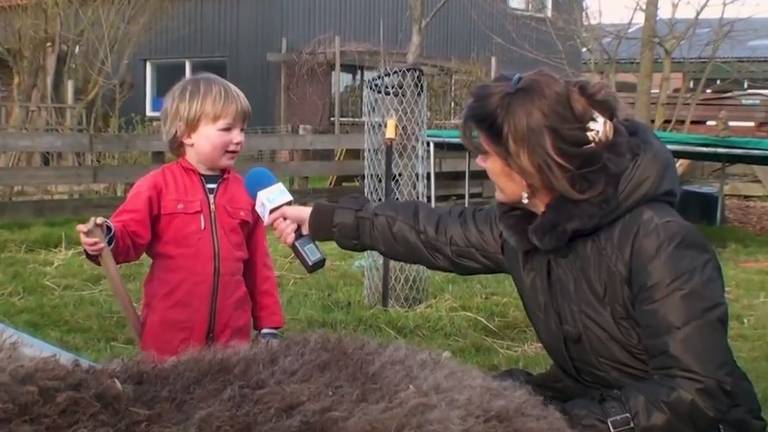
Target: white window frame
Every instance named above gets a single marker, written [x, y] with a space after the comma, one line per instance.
[149, 80]
[528, 8]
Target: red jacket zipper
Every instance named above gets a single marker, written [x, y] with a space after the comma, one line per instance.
[210, 334]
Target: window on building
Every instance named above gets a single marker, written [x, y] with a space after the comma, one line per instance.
[539, 7]
[351, 79]
[626, 86]
[714, 85]
[214, 66]
[756, 84]
[161, 75]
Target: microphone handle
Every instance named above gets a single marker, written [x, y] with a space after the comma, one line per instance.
[307, 252]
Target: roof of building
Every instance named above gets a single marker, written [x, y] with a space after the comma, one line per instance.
[745, 39]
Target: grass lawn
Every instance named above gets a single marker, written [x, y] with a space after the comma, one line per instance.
[48, 290]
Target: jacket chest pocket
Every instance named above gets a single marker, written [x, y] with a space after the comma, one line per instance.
[236, 224]
[182, 221]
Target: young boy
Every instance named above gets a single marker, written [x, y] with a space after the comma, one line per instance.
[211, 280]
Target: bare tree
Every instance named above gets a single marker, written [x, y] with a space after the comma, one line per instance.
[524, 33]
[602, 44]
[101, 65]
[53, 45]
[669, 43]
[418, 24]
[647, 60]
[722, 31]
[48, 42]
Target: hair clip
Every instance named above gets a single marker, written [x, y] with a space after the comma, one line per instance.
[511, 82]
[515, 82]
[599, 130]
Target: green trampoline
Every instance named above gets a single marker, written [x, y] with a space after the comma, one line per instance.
[726, 150]
[751, 151]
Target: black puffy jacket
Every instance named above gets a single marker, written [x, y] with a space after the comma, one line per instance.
[625, 296]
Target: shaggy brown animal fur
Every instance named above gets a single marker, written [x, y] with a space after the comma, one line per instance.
[313, 382]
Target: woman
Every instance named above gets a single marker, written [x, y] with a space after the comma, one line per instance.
[625, 296]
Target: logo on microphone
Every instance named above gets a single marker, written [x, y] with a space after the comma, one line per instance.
[268, 199]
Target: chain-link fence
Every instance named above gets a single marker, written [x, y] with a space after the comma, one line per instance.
[395, 170]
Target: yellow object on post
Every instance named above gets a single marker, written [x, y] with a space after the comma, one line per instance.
[390, 132]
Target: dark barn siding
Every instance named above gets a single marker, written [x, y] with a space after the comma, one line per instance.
[244, 31]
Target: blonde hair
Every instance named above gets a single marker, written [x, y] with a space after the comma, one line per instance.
[201, 97]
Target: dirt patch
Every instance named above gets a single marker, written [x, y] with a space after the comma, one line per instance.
[754, 264]
[749, 214]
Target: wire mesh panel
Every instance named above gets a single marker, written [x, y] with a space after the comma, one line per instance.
[397, 170]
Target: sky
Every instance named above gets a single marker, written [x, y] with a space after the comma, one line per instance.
[614, 11]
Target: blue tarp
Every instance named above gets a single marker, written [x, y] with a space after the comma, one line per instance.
[33, 347]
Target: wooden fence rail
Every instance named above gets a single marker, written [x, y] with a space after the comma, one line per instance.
[121, 143]
[712, 112]
[81, 142]
[450, 167]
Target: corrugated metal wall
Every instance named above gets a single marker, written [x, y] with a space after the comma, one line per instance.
[244, 31]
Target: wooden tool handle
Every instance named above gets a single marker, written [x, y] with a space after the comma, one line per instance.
[113, 277]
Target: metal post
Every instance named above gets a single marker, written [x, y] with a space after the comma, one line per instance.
[721, 195]
[337, 85]
[387, 197]
[283, 72]
[69, 114]
[432, 171]
[289, 154]
[466, 179]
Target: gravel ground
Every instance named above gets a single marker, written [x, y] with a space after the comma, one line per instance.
[747, 213]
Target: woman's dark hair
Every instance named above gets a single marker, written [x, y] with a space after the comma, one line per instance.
[543, 127]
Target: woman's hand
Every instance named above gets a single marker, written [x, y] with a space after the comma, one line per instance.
[287, 220]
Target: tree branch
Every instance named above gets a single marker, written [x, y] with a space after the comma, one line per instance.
[433, 13]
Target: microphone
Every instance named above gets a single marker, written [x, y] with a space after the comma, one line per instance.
[270, 195]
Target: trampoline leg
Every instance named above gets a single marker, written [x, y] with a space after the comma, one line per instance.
[466, 179]
[432, 172]
[721, 195]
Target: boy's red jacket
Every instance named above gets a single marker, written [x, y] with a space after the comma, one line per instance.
[211, 279]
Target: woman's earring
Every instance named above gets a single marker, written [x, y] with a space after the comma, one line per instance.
[525, 199]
